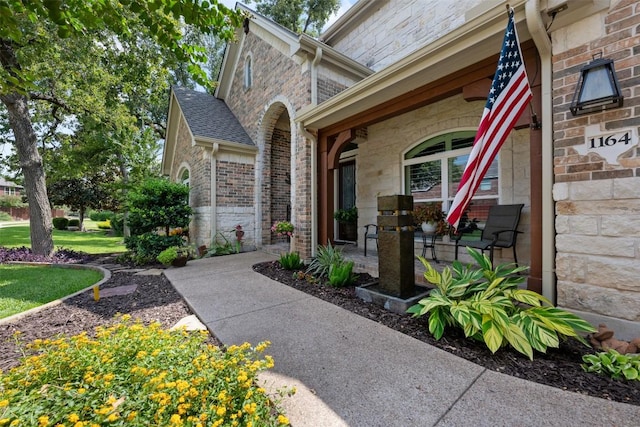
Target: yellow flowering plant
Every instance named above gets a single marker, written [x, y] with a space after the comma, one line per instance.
[132, 374]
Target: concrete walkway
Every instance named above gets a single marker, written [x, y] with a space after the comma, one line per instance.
[351, 371]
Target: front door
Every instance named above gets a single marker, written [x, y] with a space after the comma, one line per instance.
[347, 199]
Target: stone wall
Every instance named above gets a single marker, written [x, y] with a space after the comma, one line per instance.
[379, 165]
[597, 186]
[279, 83]
[198, 162]
[398, 27]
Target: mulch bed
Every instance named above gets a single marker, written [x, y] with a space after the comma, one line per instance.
[155, 299]
[558, 367]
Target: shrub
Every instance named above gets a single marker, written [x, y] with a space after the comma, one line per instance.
[326, 256]
[5, 216]
[487, 304]
[158, 203]
[611, 363]
[136, 375]
[291, 261]
[146, 247]
[117, 224]
[341, 275]
[100, 215]
[74, 223]
[60, 223]
[104, 225]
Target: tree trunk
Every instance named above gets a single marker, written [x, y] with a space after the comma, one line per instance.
[34, 179]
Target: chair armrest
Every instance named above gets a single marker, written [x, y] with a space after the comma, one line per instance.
[497, 233]
[366, 229]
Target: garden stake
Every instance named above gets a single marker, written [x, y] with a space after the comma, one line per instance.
[96, 293]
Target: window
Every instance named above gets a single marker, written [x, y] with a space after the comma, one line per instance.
[247, 72]
[184, 177]
[433, 169]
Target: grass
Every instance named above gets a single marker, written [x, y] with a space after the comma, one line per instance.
[23, 287]
[91, 242]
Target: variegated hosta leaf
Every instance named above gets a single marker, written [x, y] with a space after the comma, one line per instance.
[528, 297]
[562, 321]
[491, 333]
[437, 323]
[518, 340]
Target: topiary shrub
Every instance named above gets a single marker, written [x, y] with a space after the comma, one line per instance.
[74, 223]
[60, 223]
[117, 224]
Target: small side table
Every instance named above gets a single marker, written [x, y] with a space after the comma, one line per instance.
[429, 241]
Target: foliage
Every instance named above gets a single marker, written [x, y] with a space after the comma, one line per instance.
[300, 16]
[346, 216]
[326, 256]
[136, 375]
[73, 223]
[18, 293]
[100, 215]
[5, 216]
[11, 202]
[613, 364]
[117, 224]
[341, 274]
[94, 74]
[431, 213]
[282, 228]
[147, 246]
[170, 254]
[488, 305]
[104, 225]
[291, 261]
[81, 194]
[60, 223]
[221, 245]
[158, 203]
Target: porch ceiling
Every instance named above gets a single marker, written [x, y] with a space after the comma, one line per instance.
[475, 43]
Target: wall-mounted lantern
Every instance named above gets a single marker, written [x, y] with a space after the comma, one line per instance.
[597, 88]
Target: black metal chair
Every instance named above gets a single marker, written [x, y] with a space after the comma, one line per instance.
[373, 234]
[500, 231]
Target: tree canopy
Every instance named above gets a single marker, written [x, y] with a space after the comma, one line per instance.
[94, 74]
[300, 16]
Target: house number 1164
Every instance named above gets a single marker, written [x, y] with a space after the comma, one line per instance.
[608, 141]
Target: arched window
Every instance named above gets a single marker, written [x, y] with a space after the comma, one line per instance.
[248, 78]
[433, 169]
[184, 177]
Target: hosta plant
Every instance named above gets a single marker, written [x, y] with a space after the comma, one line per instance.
[326, 256]
[341, 274]
[614, 364]
[487, 304]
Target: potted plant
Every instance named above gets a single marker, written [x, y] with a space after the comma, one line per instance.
[431, 218]
[174, 255]
[348, 220]
[282, 228]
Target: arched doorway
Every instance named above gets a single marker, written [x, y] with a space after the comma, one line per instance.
[276, 194]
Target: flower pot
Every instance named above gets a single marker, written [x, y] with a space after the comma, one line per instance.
[428, 228]
[180, 261]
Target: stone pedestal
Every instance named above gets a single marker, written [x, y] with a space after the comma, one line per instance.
[396, 268]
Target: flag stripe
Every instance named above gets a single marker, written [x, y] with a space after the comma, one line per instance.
[509, 95]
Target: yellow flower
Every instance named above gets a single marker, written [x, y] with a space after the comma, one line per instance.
[80, 424]
[43, 421]
[74, 418]
[175, 419]
[112, 417]
[4, 421]
[131, 415]
[221, 411]
[283, 420]
[4, 403]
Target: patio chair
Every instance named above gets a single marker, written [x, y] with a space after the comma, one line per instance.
[373, 234]
[500, 231]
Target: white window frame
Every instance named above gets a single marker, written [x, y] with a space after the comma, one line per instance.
[248, 71]
[442, 156]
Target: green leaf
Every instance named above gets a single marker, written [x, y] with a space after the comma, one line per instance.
[528, 297]
[630, 373]
[491, 333]
[436, 323]
[518, 340]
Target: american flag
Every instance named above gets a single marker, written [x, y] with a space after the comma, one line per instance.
[509, 95]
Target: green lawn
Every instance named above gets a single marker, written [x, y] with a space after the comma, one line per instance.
[93, 242]
[23, 287]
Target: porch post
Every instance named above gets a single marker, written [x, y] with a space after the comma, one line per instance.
[325, 191]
